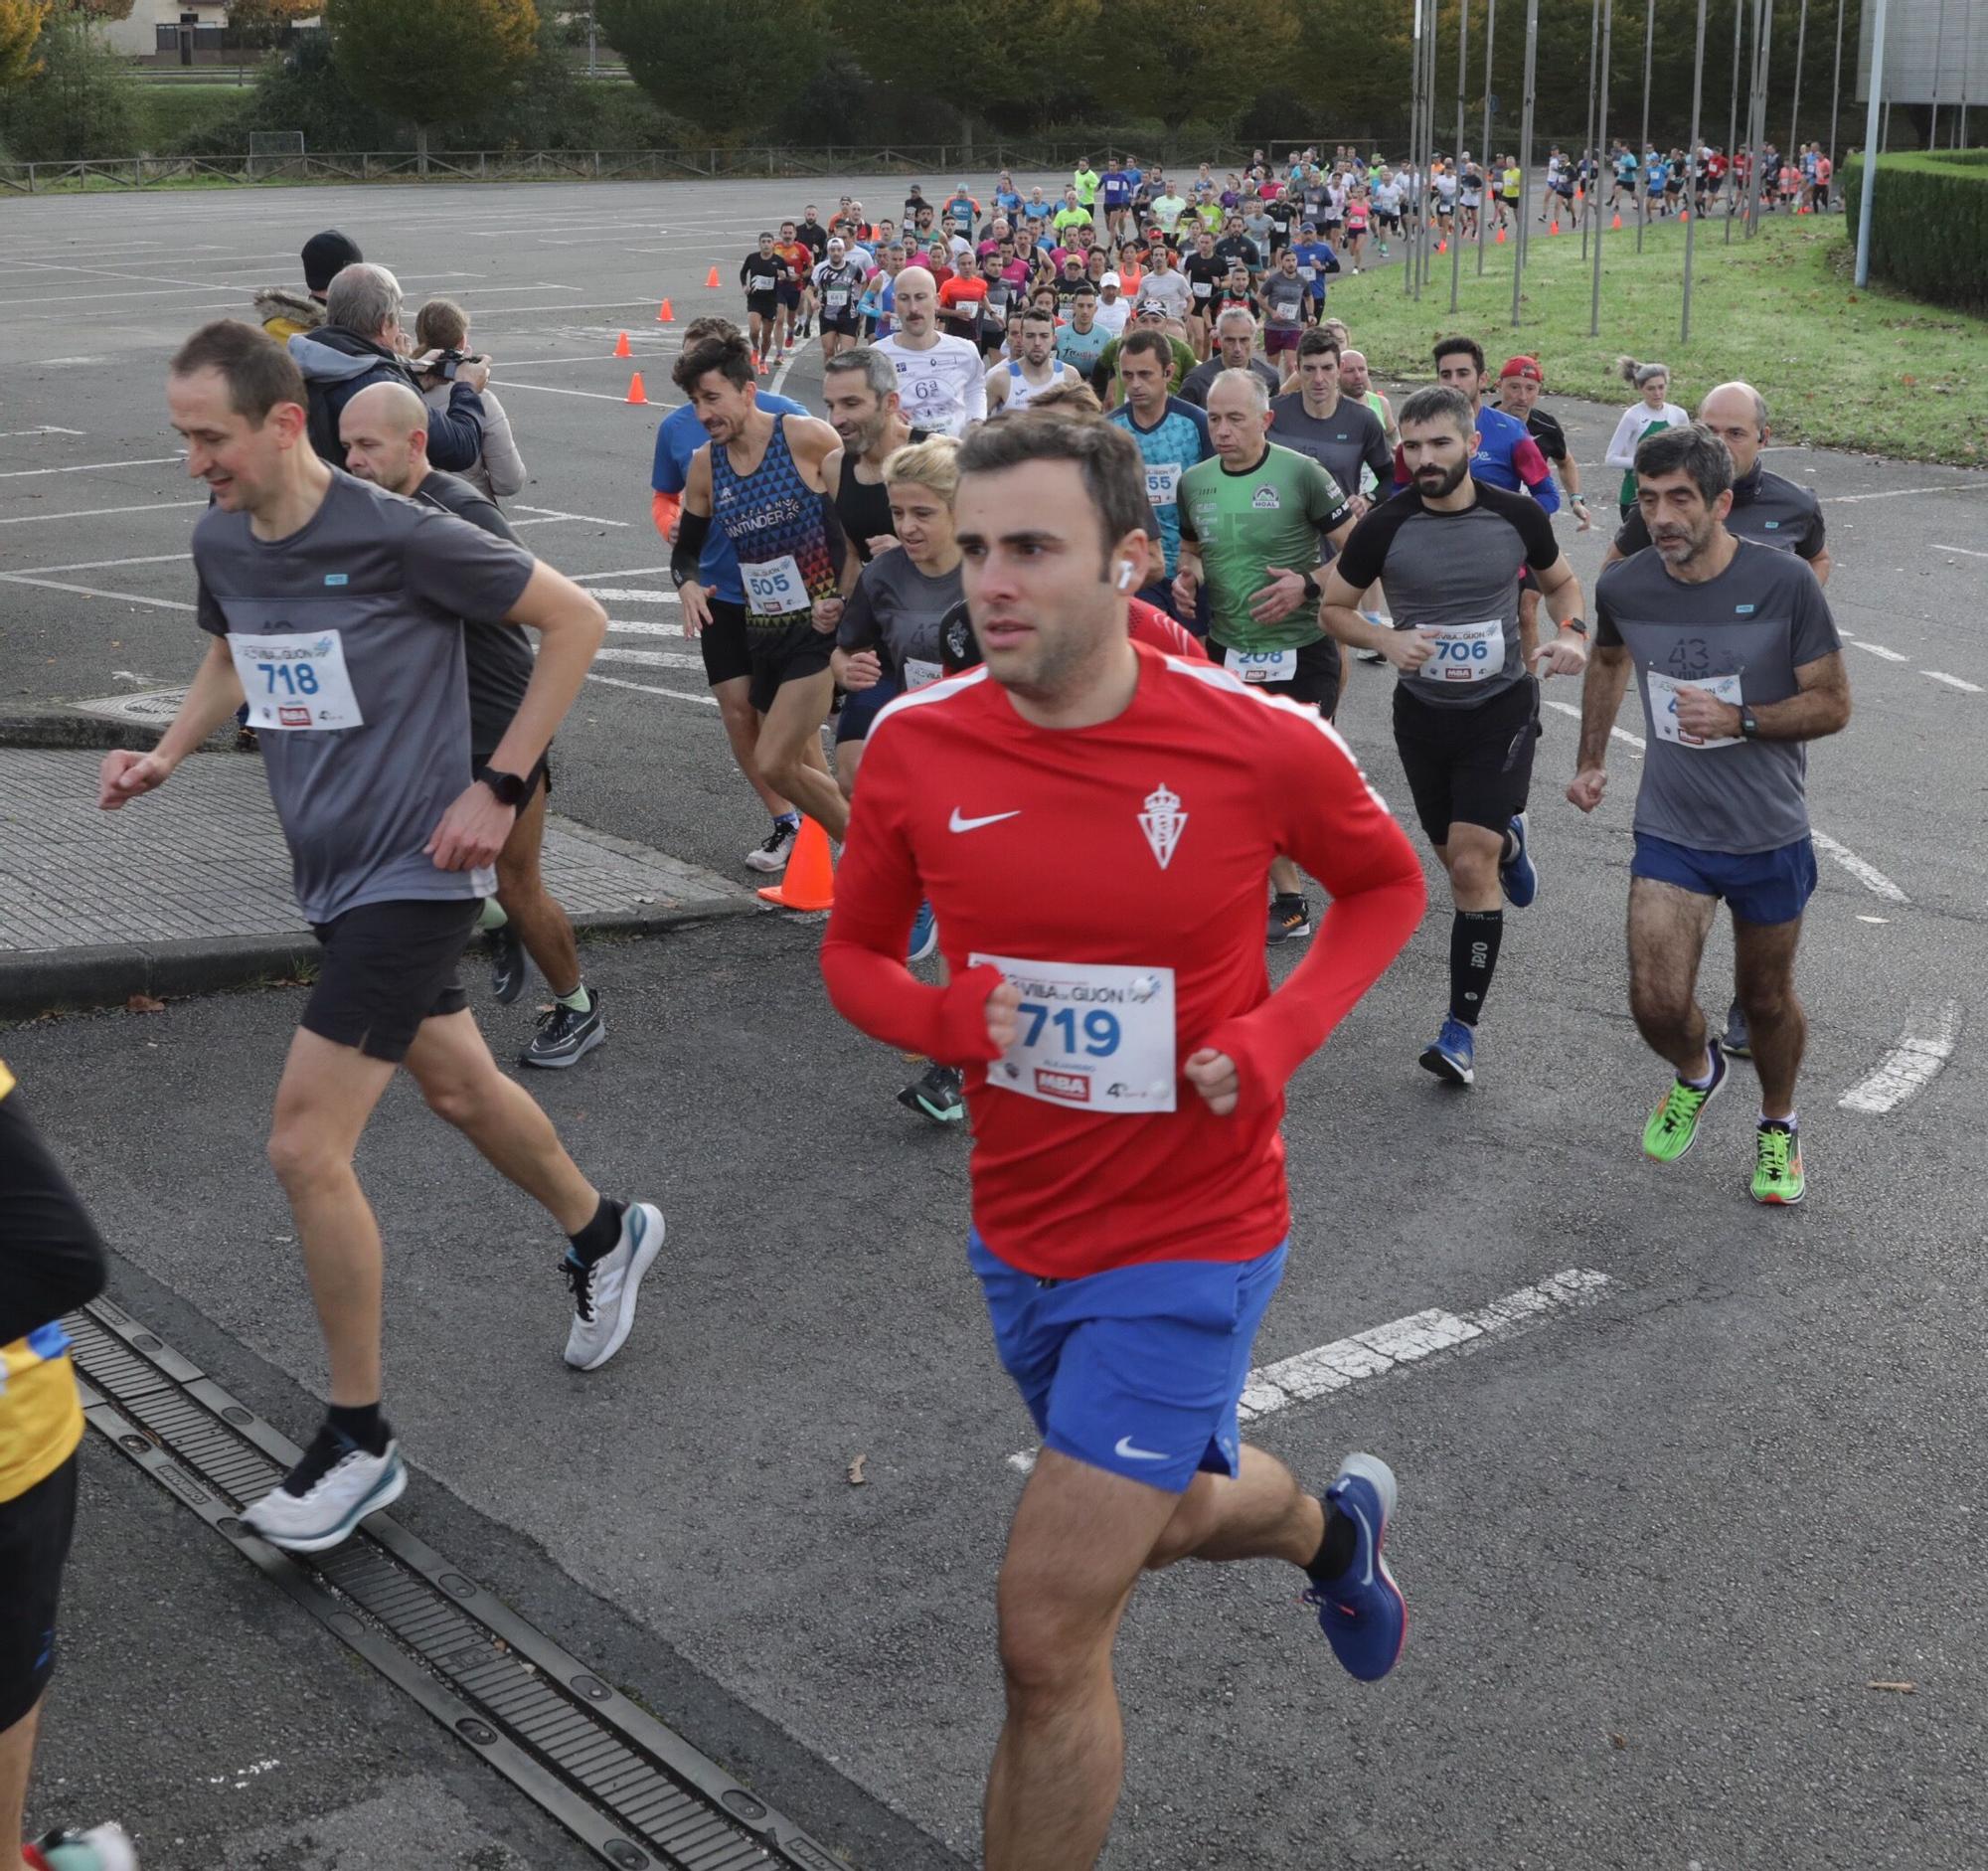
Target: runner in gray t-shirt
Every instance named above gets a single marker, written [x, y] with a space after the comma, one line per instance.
[333, 607]
[1738, 665]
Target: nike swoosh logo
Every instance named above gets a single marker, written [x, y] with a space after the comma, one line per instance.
[1369, 1543]
[1124, 1447]
[974, 824]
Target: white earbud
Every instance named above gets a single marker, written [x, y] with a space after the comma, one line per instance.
[1125, 574]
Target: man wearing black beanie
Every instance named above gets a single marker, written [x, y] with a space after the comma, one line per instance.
[284, 312]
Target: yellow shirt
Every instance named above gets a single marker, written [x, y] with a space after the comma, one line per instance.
[41, 1418]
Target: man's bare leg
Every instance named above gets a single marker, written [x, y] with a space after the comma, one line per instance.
[1764, 972]
[17, 1758]
[1667, 930]
[789, 734]
[742, 729]
[541, 924]
[323, 1102]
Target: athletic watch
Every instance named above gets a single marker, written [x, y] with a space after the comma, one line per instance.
[1312, 591]
[508, 787]
[1749, 726]
[1579, 626]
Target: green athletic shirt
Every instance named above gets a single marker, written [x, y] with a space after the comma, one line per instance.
[1271, 515]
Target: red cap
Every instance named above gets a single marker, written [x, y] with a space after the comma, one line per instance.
[1523, 367]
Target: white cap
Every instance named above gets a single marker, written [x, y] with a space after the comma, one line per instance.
[1110, 280]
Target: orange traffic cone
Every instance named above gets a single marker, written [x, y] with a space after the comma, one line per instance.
[636, 394]
[1616, 223]
[664, 316]
[810, 880]
[1501, 236]
[1442, 246]
[622, 346]
[1684, 213]
[1553, 229]
[711, 280]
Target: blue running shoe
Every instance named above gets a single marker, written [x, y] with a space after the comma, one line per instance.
[1452, 1054]
[1518, 875]
[925, 935]
[1362, 1612]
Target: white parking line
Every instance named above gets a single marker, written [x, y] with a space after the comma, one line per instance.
[1909, 1067]
[1967, 552]
[98, 565]
[91, 467]
[675, 695]
[1620, 734]
[623, 594]
[97, 513]
[508, 384]
[1900, 493]
[90, 590]
[557, 513]
[1868, 875]
[633, 571]
[651, 658]
[45, 429]
[1386, 1348]
[1878, 649]
[1955, 682]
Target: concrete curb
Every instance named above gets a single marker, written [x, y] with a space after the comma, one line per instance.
[50, 980]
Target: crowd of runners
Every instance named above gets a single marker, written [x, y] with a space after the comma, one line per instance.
[1045, 616]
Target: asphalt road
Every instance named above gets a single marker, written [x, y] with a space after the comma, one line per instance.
[1657, 1548]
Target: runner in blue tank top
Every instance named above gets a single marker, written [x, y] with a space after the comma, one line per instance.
[769, 481]
[1171, 437]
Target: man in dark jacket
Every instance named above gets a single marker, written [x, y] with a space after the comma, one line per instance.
[361, 342]
[284, 312]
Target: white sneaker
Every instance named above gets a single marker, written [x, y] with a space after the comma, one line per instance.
[341, 1485]
[603, 1294]
[101, 1848]
[773, 852]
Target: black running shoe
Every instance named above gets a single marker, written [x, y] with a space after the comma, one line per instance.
[1738, 1043]
[508, 966]
[937, 1096]
[565, 1037]
[1290, 920]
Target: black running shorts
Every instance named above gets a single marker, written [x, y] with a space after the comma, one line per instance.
[1316, 683]
[763, 304]
[1469, 765]
[35, 1530]
[783, 653]
[722, 641]
[387, 967]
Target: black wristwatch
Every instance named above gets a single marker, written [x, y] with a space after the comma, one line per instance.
[1749, 726]
[1579, 626]
[1313, 591]
[508, 787]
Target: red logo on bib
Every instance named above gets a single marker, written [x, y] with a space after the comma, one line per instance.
[294, 717]
[1070, 1085]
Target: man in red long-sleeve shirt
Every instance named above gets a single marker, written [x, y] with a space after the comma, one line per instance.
[1092, 821]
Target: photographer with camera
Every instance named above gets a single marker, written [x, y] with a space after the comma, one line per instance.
[361, 342]
[441, 345]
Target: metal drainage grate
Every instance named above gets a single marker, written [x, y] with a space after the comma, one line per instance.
[618, 1780]
[155, 708]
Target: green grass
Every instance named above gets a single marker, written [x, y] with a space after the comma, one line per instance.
[1842, 369]
[167, 113]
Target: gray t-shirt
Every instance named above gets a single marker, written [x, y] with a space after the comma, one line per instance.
[1340, 442]
[1454, 577]
[356, 681]
[1284, 300]
[1195, 385]
[898, 609]
[1743, 635]
[1170, 286]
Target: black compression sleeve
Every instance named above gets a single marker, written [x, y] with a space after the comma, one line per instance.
[692, 531]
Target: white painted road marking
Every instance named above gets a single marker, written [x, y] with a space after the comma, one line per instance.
[675, 695]
[1911, 1066]
[1868, 875]
[645, 626]
[97, 513]
[92, 467]
[549, 514]
[1387, 1348]
[651, 658]
[45, 429]
[633, 571]
[90, 590]
[1900, 493]
[1620, 734]
[1966, 551]
[98, 565]
[621, 594]
[1955, 682]
[1878, 649]
[508, 384]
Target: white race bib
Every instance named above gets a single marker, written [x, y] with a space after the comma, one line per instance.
[1163, 482]
[775, 587]
[835, 298]
[1464, 652]
[295, 681]
[1664, 707]
[920, 675]
[1097, 1037]
[1263, 666]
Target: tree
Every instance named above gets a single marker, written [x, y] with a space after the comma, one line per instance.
[21, 23]
[431, 61]
[732, 66]
[79, 107]
[101, 9]
[1146, 52]
[262, 22]
[1000, 58]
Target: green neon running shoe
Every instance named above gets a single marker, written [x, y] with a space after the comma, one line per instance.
[1673, 1125]
[1777, 1165]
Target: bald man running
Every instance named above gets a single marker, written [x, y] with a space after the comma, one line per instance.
[941, 385]
[385, 431]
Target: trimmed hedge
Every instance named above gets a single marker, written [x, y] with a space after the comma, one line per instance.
[1929, 226]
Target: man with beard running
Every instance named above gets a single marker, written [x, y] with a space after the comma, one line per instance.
[1739, 666]
[1091, 821]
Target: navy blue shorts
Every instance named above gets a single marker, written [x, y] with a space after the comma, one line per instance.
[1137, 1370]
[1763, 887]
[860, 708]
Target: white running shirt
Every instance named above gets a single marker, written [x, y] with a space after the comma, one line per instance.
[940, 390]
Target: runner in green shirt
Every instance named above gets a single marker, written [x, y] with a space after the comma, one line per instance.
[1083, 178]
[1250, 517]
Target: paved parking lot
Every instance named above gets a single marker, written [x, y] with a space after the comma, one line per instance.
[1660, 1540]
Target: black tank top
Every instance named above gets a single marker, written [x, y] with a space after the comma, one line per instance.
[864, 507]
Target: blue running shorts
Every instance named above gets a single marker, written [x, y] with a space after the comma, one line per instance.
[1136, 1370]
[1762, 886]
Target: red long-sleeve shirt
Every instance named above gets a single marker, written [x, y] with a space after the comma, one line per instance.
[1139, 844]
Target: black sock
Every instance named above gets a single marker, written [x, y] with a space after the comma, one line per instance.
[597, 1239]
[360, 1424]
[1335, 1551]
[1474, 936]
